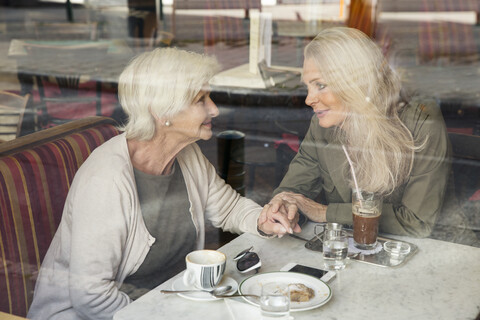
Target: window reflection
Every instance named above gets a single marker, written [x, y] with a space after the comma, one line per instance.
[70, 70]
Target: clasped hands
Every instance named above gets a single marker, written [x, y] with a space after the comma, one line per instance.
[280, 215]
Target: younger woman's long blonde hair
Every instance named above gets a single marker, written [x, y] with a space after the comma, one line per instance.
[378, 143]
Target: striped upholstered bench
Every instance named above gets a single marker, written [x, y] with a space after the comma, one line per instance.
[36, 172]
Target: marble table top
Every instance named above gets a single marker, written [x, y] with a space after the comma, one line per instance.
[441, 281]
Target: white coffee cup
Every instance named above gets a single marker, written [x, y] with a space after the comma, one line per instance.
[205, 269]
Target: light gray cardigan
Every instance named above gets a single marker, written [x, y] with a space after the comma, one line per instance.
[102, 237]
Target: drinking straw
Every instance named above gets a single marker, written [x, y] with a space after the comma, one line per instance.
[357, 189]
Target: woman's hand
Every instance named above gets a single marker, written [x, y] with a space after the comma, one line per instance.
[280, 222]
[313, 210]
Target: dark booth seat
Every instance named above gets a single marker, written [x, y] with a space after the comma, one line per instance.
[36, 172]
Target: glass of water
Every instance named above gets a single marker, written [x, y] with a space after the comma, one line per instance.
[335, 249]
[275, 301]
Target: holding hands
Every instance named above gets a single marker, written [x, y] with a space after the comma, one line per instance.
[280, 216]
[282, 220]
[295, 201]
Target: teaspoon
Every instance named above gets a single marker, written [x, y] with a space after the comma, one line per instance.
[235, 295]
[215, 292]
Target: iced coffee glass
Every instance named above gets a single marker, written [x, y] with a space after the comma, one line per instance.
[366, 215]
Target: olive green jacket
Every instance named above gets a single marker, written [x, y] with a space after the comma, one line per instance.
[412, 208]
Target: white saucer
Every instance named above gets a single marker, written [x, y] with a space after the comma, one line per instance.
[203, 296]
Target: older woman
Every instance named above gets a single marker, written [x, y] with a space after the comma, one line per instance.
[398, 147]
[138, 204]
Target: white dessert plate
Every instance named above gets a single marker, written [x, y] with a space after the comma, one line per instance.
[253, 285]
[203, 296]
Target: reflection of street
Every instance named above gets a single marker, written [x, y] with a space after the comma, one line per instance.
[428, 79]
[452, 82]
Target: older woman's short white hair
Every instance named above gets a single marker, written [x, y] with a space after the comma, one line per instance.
[161, 82]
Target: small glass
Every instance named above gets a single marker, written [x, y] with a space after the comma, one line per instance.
[366, 215]
[396, 249]
[335, 249]
[275, 301]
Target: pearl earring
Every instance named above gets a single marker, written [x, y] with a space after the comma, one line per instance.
[167, 123]
[367, 99]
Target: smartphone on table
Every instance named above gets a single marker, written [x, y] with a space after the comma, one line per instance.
[324, 275]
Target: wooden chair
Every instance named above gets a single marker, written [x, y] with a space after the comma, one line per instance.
[12, 109]
[36, 172]
[63, 96]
